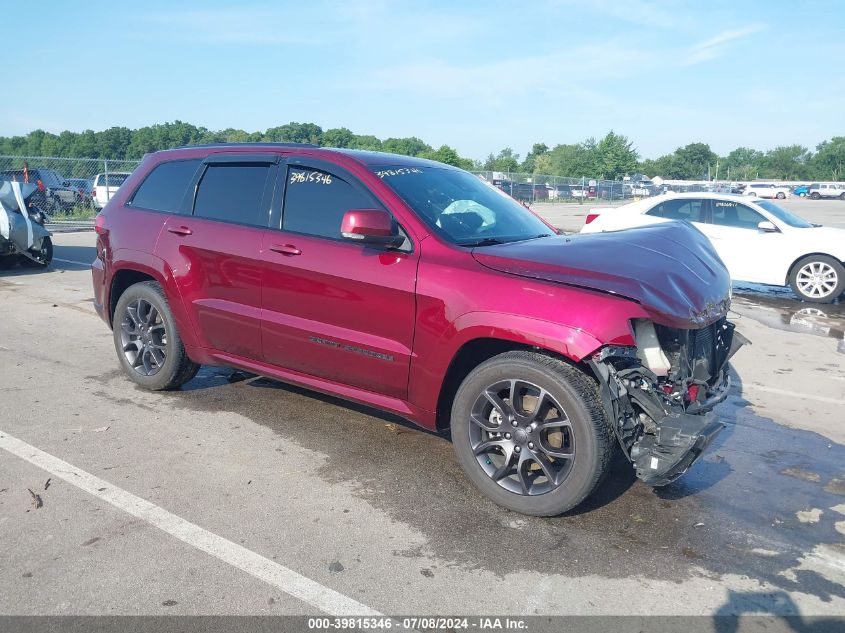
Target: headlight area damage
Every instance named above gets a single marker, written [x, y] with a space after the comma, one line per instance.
[658, 395]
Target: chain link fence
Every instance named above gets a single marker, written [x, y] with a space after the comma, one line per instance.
[70, 190]
[538, 188]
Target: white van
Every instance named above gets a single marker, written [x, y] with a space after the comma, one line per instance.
[102, 192]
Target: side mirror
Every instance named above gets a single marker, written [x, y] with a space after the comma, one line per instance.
[767, 227]
[370, 226]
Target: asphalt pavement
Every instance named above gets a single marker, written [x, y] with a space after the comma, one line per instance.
[242, 495]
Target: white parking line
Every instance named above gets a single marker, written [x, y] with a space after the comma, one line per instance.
[287, 580]
[70, 261]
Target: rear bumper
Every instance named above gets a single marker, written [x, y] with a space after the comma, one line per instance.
[98, 278]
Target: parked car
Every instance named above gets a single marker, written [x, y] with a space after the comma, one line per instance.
[827, 190]
[23, 238]
[103, 191]
[757, 240]
[85, 189]
[54, 194]
[802, 191]
[766, 190]
[419, 289]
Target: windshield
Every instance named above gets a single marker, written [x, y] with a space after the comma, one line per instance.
[462, 207]
[783, 215]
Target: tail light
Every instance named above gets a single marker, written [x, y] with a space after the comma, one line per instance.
[591, 217]
[100, 224]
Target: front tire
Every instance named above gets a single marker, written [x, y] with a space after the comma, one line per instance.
[530, 432]
[780, 195]
[815, 195]
[818, 279]
[43, 256]
[147, 341]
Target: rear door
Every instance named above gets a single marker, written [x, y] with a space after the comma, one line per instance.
[214, 250]
[749, 253]
[333, 308]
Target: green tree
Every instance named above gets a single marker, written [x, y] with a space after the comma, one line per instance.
[690, 162]
[829, 160]
[743, 163]
[338, 137]
[295, 133]
[448, 155]
[411, 146]
[537, 150]
[615, 157]
[787, 162]
[506, 160]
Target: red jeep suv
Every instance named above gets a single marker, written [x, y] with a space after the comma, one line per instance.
[422, 290]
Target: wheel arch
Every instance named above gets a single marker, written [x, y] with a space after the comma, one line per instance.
[131, 272]
[474, 352]
[121, 280]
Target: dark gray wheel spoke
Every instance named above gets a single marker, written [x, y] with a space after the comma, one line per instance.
[143, 337]
[515, 444]
[505, 469]
[555, 423]
[484, 423]
[486, 447]
[557, 453]
[522, 473]
[546, 466]
[501, 406]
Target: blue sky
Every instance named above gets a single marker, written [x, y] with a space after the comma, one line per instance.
[476, 75]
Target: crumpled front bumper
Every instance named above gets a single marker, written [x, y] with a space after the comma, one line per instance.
[680, 440]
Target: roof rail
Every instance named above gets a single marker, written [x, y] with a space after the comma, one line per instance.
[247, 144]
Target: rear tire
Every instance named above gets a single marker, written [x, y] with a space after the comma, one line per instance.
[43, 256]
[534, 470]
[780, 195]
[818, 279]
[842, 196]
[815, 195]
[147, 341]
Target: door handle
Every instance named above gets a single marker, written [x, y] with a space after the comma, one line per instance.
[286, 249]
[180, 230]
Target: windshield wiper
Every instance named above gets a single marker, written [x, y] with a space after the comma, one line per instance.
[487, 241]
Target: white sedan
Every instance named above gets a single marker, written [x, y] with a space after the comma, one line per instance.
[757, 240]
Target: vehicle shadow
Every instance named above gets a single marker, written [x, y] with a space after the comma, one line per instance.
[83, 255]
[770, 611]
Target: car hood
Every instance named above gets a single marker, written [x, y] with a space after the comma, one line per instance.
[829, 238]
[669, 268]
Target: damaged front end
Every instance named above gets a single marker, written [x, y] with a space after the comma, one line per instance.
[659, 395]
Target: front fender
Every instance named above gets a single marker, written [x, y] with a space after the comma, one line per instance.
[431, 361]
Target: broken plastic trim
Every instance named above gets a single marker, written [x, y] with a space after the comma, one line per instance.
[677, 437]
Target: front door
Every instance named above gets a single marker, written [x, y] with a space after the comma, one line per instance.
[333, 308]
[751, 254]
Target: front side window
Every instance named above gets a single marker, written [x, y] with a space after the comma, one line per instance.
[462, 207]
[783, 215]
[316, 201]
[164, 187]
[736, 215]
[689, 209]
[233, 193]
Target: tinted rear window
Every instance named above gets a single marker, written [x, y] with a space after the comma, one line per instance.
[232, 193]
[165, 186]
